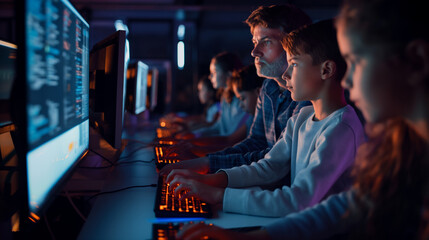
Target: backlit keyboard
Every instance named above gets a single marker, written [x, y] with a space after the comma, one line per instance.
[162, 159]
[168, 205]
[168, 231]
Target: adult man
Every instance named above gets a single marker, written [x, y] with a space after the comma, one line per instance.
[268, 24]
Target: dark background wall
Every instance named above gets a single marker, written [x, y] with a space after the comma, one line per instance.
[212, 26]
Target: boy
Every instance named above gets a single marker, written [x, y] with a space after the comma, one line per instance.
[318, 146]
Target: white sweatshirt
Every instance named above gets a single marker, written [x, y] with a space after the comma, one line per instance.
[319, 155]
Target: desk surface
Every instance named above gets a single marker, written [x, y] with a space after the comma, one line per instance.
[128, 214]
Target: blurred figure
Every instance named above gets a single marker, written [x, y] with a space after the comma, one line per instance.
[246, 85]
[211, 109]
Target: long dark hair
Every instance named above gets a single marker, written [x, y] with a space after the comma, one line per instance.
[389, 181]
[389, 168]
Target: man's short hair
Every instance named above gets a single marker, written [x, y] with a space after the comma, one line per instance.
[285, 17]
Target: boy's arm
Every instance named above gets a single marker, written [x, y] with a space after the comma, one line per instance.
[334, 154]
[217, 162]
[322, 221]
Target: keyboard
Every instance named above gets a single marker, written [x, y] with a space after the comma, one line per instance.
[161, 159]
[168, 231]
[168, 205]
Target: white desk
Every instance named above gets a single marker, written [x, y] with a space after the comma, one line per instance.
[129, 214]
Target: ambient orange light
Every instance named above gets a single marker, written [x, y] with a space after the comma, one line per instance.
[71, 146]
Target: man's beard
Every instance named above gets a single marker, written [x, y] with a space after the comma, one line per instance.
[274, 69]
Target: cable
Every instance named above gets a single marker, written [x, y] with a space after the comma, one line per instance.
[96, 167]
[74, 206]
[119, 163]
[103, 157]
[122, 189]
[135, 161]
[49, 227]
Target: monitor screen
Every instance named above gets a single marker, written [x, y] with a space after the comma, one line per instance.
[108, 86]
[152, 85]
[137, 74]
[7, 76]
[53, 87]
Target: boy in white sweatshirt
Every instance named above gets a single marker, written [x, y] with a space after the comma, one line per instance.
[318, 146]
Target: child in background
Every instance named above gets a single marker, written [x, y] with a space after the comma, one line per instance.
[246, 85]
[386, 46]
[232, 117]
[208, 98]
[318, 146]
[207, 95]
[231, 124]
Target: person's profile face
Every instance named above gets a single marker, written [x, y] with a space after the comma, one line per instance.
[302, 77]
[248, 99]
[270, 58]
[374, 77]
[203, 93]
[217, 76]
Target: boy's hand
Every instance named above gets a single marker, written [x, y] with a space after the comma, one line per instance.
[219, 179]
[204, 231]
[192, 188]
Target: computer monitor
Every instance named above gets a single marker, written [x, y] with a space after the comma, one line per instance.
[108, 86]
[51, 99]
[7, 75]
[152, 86]
[137, 74]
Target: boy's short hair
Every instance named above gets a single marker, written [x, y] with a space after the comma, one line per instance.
[285, 17]
[319, 40]
[246, 79]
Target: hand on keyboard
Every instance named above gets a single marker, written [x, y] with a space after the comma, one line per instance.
[186, 188]
[207, 231]
[182, 149]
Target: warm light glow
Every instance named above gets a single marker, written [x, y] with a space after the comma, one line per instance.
[33, 217]
[180, 54]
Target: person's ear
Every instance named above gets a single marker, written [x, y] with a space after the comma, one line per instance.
[417, 56]
[327, 69]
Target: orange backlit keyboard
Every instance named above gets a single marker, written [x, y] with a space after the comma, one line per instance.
[168, 205]
[168, 231]
[162, 159]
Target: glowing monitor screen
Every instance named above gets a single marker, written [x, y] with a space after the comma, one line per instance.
[57, 82]
[137, 74]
